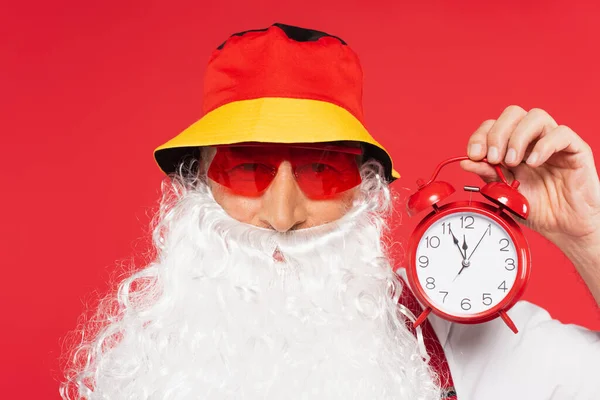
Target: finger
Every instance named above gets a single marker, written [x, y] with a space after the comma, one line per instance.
[560, 139]
[477, 145]
[536, 124]
[485, 171]
[497, 138]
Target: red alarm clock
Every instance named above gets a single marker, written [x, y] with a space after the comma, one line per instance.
[469, 261]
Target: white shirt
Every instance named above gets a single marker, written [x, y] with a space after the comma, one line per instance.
[545, 360]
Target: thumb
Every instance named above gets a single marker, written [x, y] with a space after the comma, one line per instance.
[485, 171]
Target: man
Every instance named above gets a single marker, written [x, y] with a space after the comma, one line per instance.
[270, 279]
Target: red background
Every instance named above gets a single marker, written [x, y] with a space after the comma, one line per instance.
[90, 88]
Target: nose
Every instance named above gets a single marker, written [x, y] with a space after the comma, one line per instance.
[283, 204]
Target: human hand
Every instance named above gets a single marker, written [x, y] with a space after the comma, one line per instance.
[555, 167]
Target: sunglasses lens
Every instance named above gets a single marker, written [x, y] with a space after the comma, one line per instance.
[244, 175]
[248, 171]
[331, 174]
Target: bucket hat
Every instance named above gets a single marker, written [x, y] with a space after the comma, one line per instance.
[281, 84]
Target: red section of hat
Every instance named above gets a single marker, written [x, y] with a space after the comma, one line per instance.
[269, 64]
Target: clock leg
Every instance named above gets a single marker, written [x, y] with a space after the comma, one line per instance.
[422, 317]
[508, 321]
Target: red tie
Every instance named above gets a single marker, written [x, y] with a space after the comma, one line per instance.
[436, 353]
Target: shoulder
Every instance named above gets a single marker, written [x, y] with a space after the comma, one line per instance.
[536, 328]
[546, 358]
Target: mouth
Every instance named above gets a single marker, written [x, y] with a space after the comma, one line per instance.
[278, 255]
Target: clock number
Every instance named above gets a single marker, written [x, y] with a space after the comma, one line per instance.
[465, 304]
[444, 227]
[510, 263]
[433, 242]
[423, 261]
[445, 294]
[505, 248]
[430, 283]
[467, 222]
[503, 286]
[489, 229]
[487, 299]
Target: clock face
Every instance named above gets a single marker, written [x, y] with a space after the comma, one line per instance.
[466, 263]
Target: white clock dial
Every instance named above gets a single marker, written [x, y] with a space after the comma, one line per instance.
[466, 263]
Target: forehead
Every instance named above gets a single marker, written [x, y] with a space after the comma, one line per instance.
[277, 153]
[344, 147]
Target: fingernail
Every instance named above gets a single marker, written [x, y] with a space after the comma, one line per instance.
[474, 150]
[532, 159]
[492, 155]
[511, 156]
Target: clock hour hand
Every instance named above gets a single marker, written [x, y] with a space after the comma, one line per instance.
[465, 262]
[463, 255]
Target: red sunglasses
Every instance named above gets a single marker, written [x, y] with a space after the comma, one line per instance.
[321, 171]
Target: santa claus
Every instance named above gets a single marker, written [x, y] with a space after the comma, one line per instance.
[270, 279]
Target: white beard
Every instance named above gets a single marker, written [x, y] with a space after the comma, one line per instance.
[217, 317]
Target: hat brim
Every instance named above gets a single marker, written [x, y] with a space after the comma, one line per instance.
[271, 120]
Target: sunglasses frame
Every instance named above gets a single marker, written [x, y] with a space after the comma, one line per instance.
[357, 151]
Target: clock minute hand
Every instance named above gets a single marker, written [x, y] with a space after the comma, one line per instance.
[482, 236]
[463, 255]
